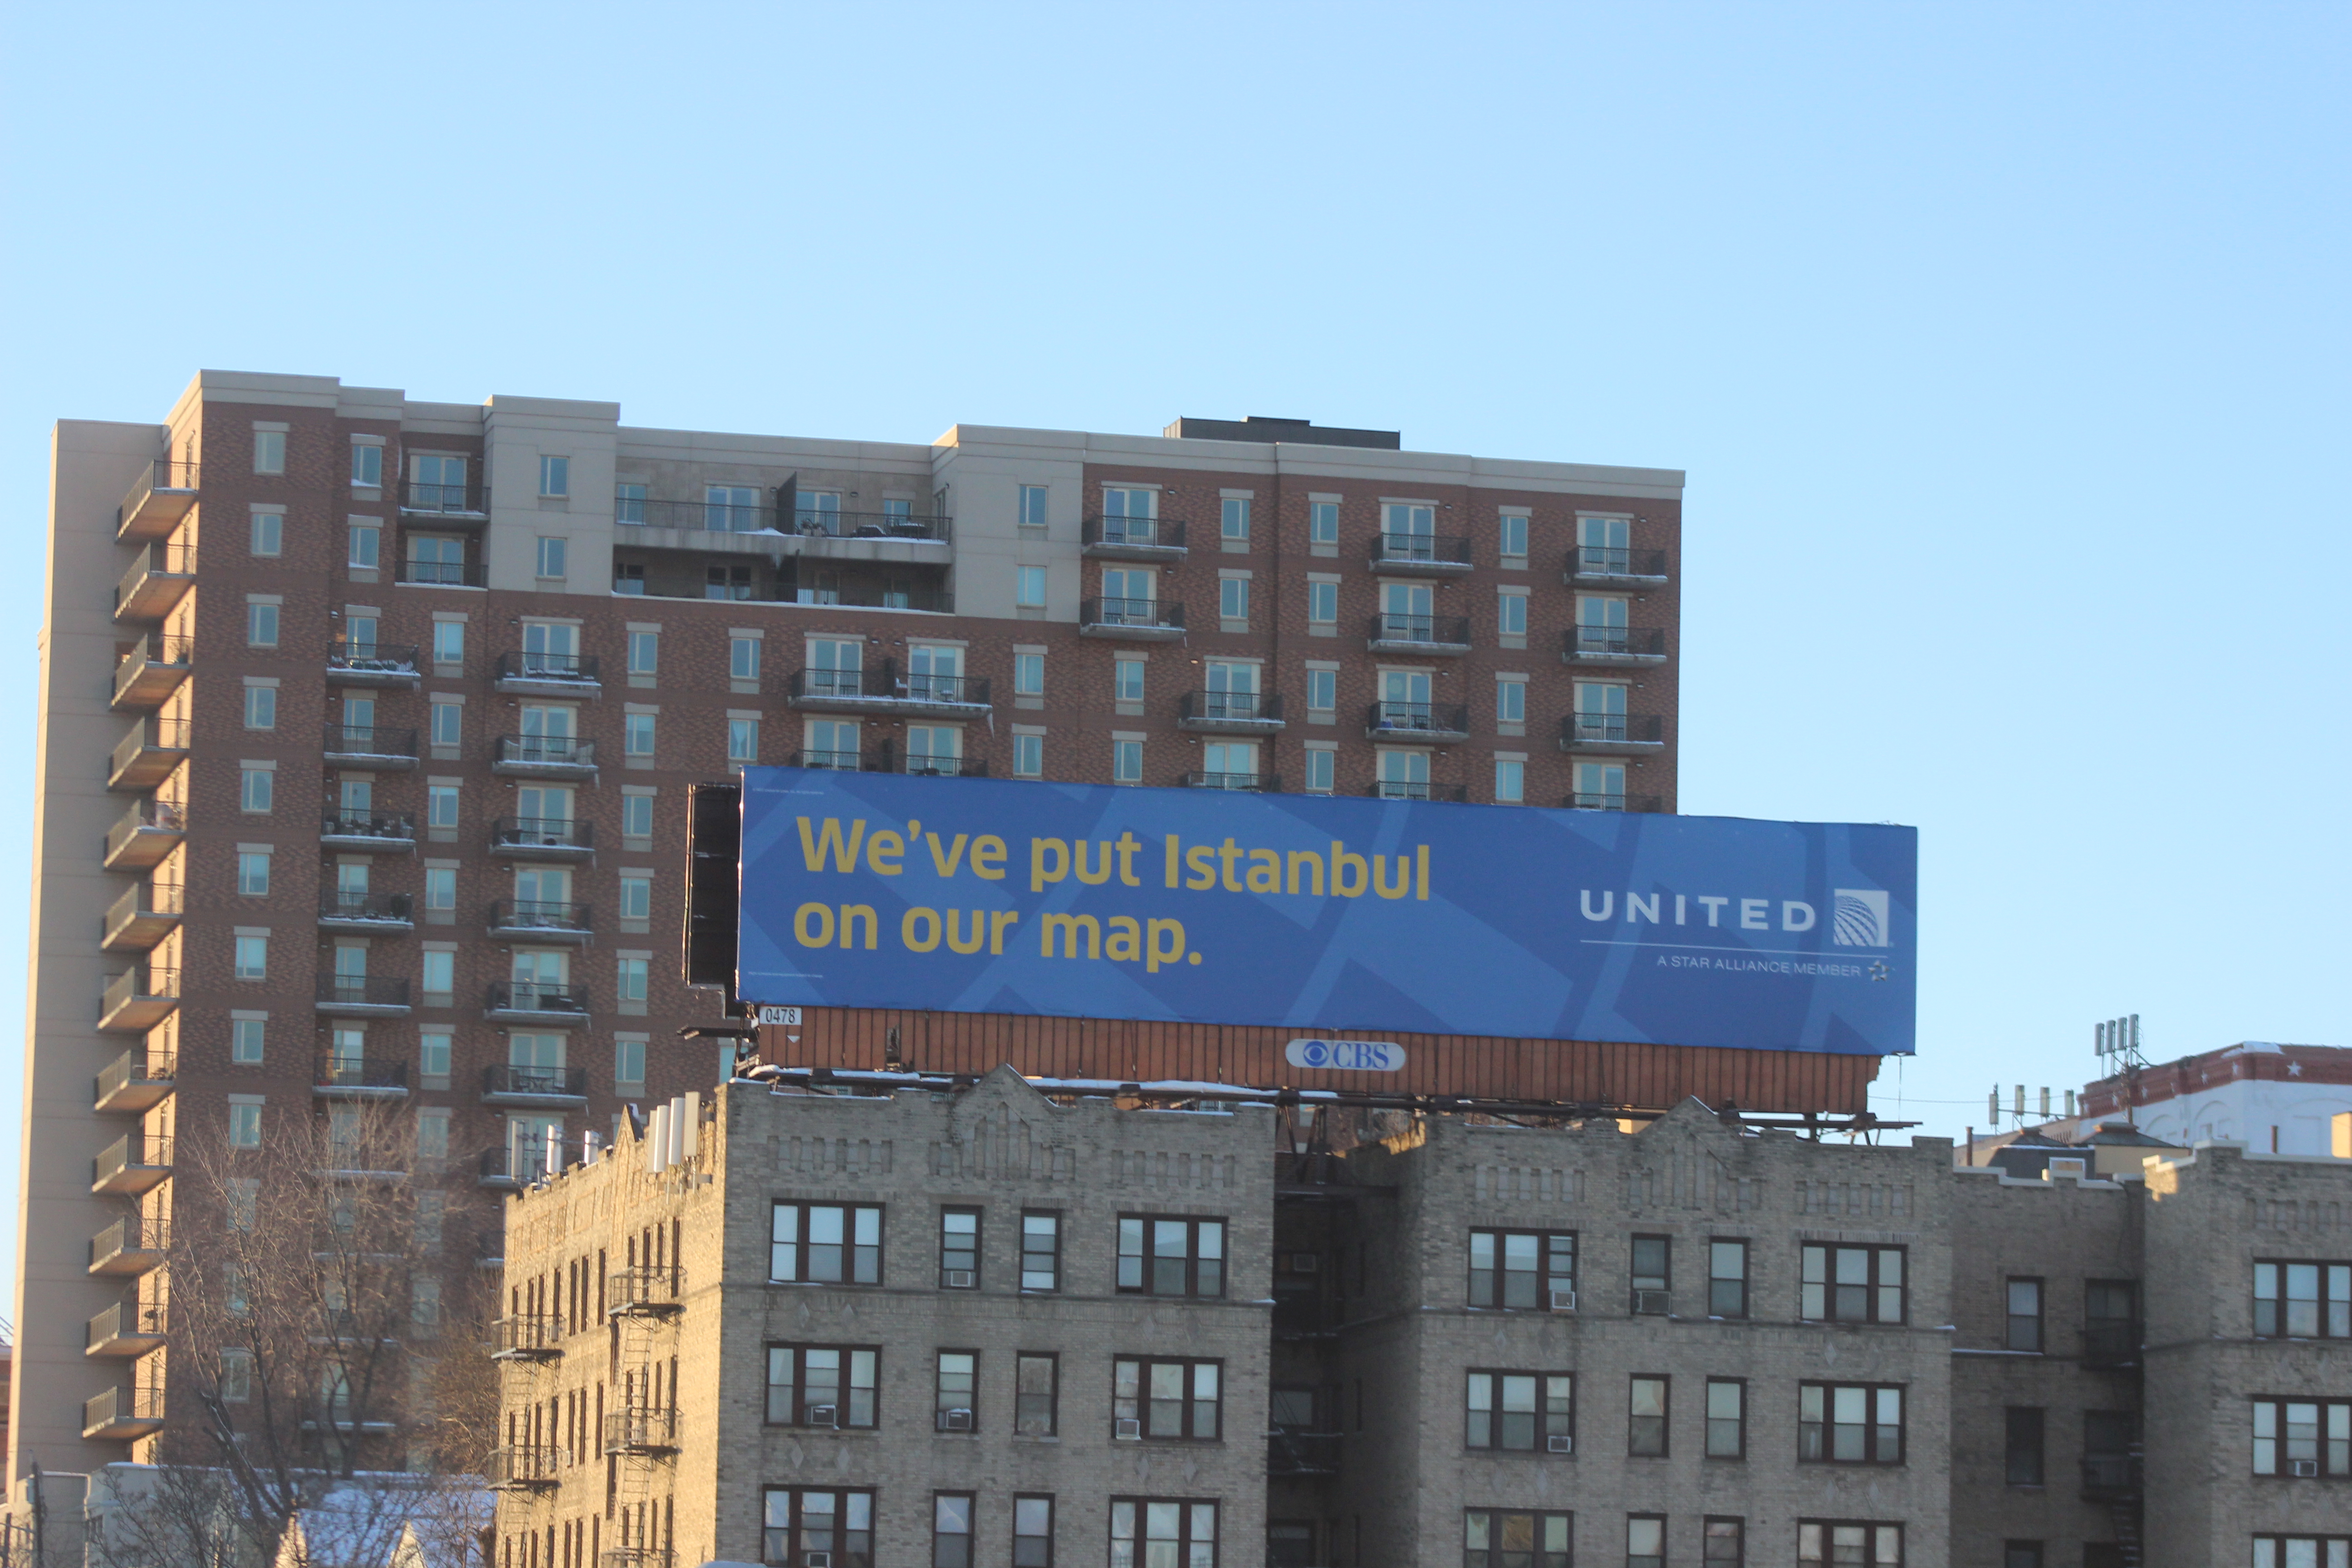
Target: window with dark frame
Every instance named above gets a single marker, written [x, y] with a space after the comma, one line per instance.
[1726, 1418]
[1724, 1541]
[804, 1525]
[1170, 1256]
[1523, 1270]
[1041, 1249]
[1150, 1530]
[1506, 1538]
[2302, 1439]
[1162, 1399]
[2110, 1319]
[1848, 1544]
[1854, 1284]
[955, 1402]
[1520, 1412]
[2024, 1315]
[1036, 1393]
[2300, 1301]
[951, 1529]
[823, 1386]
[1646, 1410]
[2022, 1445]
[1727, 1279]
[960, 1249]
[1645, 1541]
[1032, 1529]
[2020, 1554]
[825, 1244]
[1850, 1423]
[2302, 1551]
[1290, 1543]
[1654, 1279]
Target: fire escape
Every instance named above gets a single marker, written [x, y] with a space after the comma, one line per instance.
[641, 1431]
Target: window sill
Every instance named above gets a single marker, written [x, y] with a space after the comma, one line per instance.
[443, 753]
[1504, 728]
[642, 682]
[630, 1009]
[642, 845]
[1330, 551]
[643, 765]
[1029, 612]
[363, 574]
[1322, 631]
[1225, 626]
[433, 1081]
[1234, 546]
[748, 688]
[1512, 639]
[1127, 710]
[635, 928]
[1030, 704]
[440, 917]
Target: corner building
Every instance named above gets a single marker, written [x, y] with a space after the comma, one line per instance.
[366, 725]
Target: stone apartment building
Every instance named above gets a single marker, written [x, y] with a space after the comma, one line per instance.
[366, 724]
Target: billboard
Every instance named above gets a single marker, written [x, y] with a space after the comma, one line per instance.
[1345, 919]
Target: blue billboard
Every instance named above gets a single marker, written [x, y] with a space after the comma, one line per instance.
[1326, 914]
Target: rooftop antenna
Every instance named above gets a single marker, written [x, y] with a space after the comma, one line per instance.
[2117, 1046]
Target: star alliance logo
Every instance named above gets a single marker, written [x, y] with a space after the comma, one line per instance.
[1860, 919]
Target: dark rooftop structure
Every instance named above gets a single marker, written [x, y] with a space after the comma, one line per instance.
[1259, 427]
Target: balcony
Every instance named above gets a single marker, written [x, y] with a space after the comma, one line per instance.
[760, 520]
[147, 755]
[538, 920]
[376, 747]
[1421, 555]
[2110, 1478]
[1590, 800]
[382, 664]
[536, 1002]
[1132, 539]
[359, 1077]
[1302, 1454]
[144, 835]
[362, 996]
[442, 505]
[544, 757]
[1617, 734]
[134, 1163]
[639, 1429]
[130, 1248]
[119, 1415]
[125, 1329]
[1132, 620]
[134, 1082]
[159, 578]
[1424, 722]
[378, 914]
[1394, 633]
[506, 1170]
[144, 916]
[542, 838]
[1622, 646]
[639, 1557]
[440, 573]
[152, 672]
[136, 1000]
[1414, 789]
[548, 675]
[1599, 566]
[888, 760]
[523, 1467]
[644, 1292]
[156, 501]
[831, 762]
[1266, 783]
[1230, 712]
[886, 690]
[376, 831]
[2109, 1342]
[531, 1337]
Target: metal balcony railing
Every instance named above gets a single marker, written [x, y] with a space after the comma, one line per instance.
[528, 1336]
[1421, 631]
[121, 1412]
[635, 1291]
[1612, 729]
[523, 1466]
[542, 833]
[137, 1234]
[2109, 1476]
[151, 671]
[763, 516]
[1418, 718]
[1616, 642]
[1230, 707]
[146, 980]
[537, 997]
[374, 658]
[1593, 800]
[519, 1166]
[157, 576]
[839, 762]
[888, 759]
[152, 901]
[538, 914]
[155, 816]
[382, 908]
[1432, 548]
[2111, 1342]
[153, 749]
[440, 573]
[1263, 783]
[157, 498]
[133, 1151]
[1149, 613]
[385, 825]
[1133, 532]
[1413, 789]
[125, 1322]
[138, 1066]
[506, 1078]
[462, 500]
[560, 669]
[640, 1429]
[546, 750]
[362, 991]
[369, 740]
[1302, 1453]
[1603, 561]
[360, 1072]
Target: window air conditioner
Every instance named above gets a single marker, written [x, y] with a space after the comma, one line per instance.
[1560, 1443]
[816, 1560]
[1128, 1429]
[1652, 1304]
[962, 1278]
[955, 1420]
[1563, 1300]
[824, 1415]
[2306, 1469]
[1304, 1262]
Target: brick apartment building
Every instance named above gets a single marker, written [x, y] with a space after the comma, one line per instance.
[366, 726]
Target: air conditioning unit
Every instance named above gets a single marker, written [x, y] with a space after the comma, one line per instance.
[1560, 1443]
[962, 1278]
[1563, 1300]
[1128, 1428]
[2306, 1469]
[824, 1415]
[1304, 1262]
[1652, 1304]
[817, 1559]
[955, 1420]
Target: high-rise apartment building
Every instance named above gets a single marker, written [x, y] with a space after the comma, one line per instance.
[366, 726]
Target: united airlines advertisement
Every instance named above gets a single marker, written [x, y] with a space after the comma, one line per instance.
[1327, 915]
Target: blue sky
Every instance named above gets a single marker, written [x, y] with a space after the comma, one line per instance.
[2005, 346]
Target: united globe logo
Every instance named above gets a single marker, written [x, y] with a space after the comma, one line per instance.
[1860, 917]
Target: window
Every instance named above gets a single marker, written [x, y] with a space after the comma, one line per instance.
[2303, 1552]
[441, 805]
[1032, 506]
[1029, 674]
[1162, 1532]
[743, 741]
[1523, 1270]
[1322, 603]
[270, 451]
[959, 1249]
[2302, 1439]
[1726, 1418]
[253, 873]
[261, 707]
[806, 1526]
[244, 1125]
[1041, 1250]
[1233, 518]
[629, 1062]
[1032, 1532]
[1185, 1257]
[1511, 700]
[1036, 1393]
[1645, 1541]
[2021, 1447]
[644, 653]
[1724, 1541]
[729, 583]
[1849, 1424]
[1233, 599]
[1028, 756]
[1512, 528]
[2024, 1315]
[637, 816]
[951, 1529]
[252, 958]
[2303, 1301]
[637, 734]
[440, 966]
[551, 555]
[1491, 1538]
[1521, 1412]
[955, 1391]
[1127, 680]
[236, 1366]
[1510, 780]
[826, 1244]
[245, 1041]
[2110, 1317]
[630, 979]
[433, 1134]
[823, 1386]
[1029, 588]
[1645, 1430]
[636, 898]
[628, 503]
[554, 476]
[1323, 522]
[1852, 1284]
[1127, 761]
[1511, 613]
[433, 1053]
[366, 546]
[269, 535]
[260, 625]
[743, 658]
[449, 642]
[1727, 1279]
[1834, 1543]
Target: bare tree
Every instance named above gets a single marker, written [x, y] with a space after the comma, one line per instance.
[330, 1351]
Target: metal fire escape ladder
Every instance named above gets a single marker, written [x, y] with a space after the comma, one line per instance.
[640, 1437]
